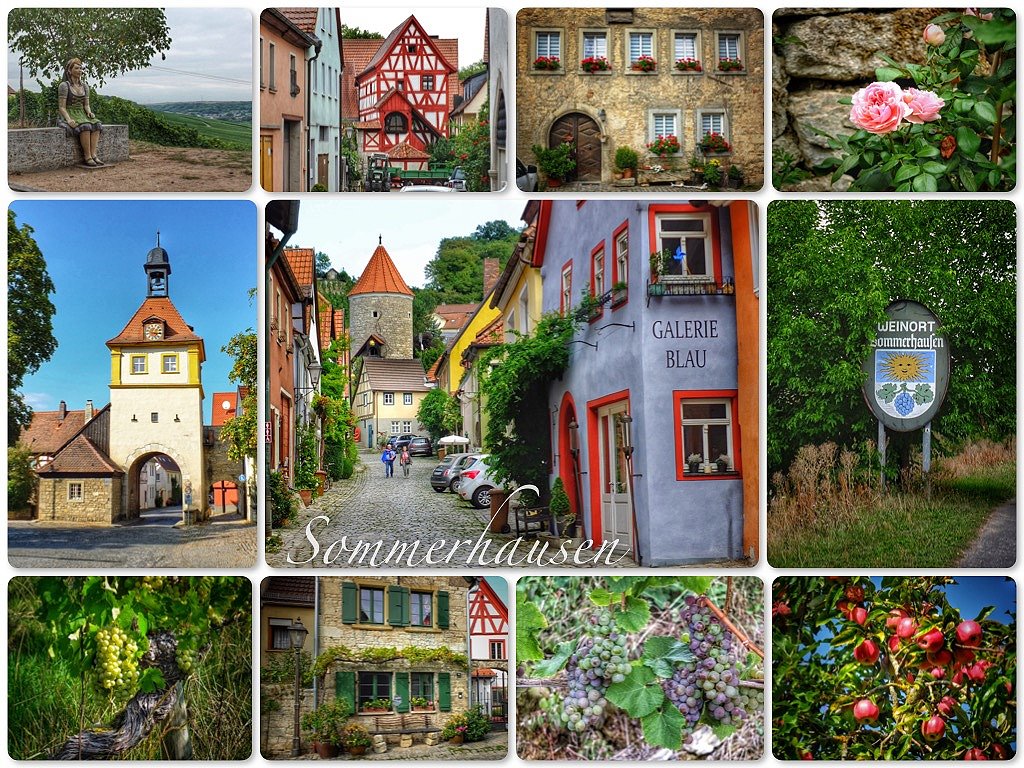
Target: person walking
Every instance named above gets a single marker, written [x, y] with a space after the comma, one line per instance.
[405, 461]
[389, 461]
[384, 458]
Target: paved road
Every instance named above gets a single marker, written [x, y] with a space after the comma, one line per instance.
[370, 508]
[996, 544]
[226, 541]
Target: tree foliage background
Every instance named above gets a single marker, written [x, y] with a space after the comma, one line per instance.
[834, 266]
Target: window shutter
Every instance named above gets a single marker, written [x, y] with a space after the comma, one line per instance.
[444, 691]
[349, 602]
[406, 610]
[345, 688]
[395, 606]
[402, 691]
[442, 610]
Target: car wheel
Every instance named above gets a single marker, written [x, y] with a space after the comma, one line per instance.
[482, 498]
[438, 490]
[453, 486]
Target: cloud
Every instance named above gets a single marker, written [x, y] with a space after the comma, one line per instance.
[39, 401]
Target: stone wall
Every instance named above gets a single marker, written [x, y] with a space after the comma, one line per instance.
[393, 322]
[277, 719]
[44, 149]
[101, 499]
[827, 54]
[620, 100]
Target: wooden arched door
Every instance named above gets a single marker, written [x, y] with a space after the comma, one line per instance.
[584, 132]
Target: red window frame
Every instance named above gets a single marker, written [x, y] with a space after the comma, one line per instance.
[654, 211]
[567, 267]
[623, 227]
[732, 395]
[599, 248]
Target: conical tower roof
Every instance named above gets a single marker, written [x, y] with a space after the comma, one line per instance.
[380, 276]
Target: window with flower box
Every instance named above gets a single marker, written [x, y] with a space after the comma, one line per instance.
[421, 686]
[706, 434]
[374, 687]
[663, 123]
[641, 46]
[594, 51]
[686, 52]
[729, 49]
[685, 240]
[620, 264]
[713, 121]
[547, 51]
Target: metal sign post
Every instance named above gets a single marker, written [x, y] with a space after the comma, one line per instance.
[881, 455]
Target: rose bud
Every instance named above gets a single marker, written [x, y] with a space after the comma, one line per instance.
[947, 147]
[933, 35]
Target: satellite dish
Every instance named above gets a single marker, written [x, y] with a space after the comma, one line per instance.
[226, 405]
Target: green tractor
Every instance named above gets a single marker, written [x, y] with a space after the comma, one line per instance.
[378, 173]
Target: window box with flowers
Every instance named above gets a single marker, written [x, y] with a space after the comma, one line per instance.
[644, 64]
[663, 146]
[714, 144]
[547, 64]
[730, 65]
[593, 64]
[689, 65]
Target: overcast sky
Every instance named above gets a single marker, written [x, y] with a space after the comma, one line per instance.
[410, 225]
[210, 53]
[465, 24]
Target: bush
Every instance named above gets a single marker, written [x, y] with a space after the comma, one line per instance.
[280, 668]
[282, 504]
[476, 723]
[626, 157]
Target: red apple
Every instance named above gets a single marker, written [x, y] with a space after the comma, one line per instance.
[806, 756]
[963, 656]
[937, 672]
[958, 677]
[931, 641]
[895, 616]
[860, 615]
[933, 728]
[866, 652]
[865, 711]
[974, 753]
[855, 593]
[894, 644]
[1001, 752]
[968, 634]
[976, 672]
[947, 706]
[906, 627]
[940, 658]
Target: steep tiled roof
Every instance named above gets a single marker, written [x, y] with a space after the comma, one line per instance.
[405, 151]
[47, 431]
[380, 276]
[332, 324]
[357, 55]
[432, 373]
[303, 18]
[395, 375]
[367, 125]
[177, 330]
[289, 590]
[454, 316]
[492, 334]
[81, 457]
[302, 262]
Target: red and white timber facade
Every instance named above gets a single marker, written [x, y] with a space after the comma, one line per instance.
[488, 651]
[405, 93]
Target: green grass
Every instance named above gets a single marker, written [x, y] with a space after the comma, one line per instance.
[234, 133]
[905, 531]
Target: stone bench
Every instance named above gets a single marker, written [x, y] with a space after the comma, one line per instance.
[46, 149]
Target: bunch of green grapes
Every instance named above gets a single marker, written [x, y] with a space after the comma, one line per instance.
[600, 660]
[116, 659]
[153, 583]
[186, 659]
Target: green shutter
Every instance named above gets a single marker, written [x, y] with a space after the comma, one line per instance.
[442, 610]
[349, 602]
[402, 691]
[345, 688]
[406, 607]
[444, 691]
[395, 606]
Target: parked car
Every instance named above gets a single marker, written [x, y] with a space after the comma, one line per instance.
[526, 176]
[442, 477]
[476, 483]
[420, 446]
[398, 442]
[458, 180]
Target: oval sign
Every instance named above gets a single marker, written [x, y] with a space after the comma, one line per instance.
[908, 369]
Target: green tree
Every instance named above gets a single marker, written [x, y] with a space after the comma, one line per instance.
[323, 263]
[956, 257]
[495, 230]
[469, 70]
[21, 479]
[340, 450]
[456, 271]
[30, 339]
[109, 41]
[472, 150]
[240, 430]
[355, 33]
[439, 413]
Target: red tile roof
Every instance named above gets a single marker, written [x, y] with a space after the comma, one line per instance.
[395, 375]
[302, 262]
[47, 431]
[454, 316]
[357, 55]
[288, 590]
[380, 276]
[81, 457]
[492, 334]
[332, 324]
[405, 151]
[303, 18]
[367, 125]
[177, 330]
[432, 373]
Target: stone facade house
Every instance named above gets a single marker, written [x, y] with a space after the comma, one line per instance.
[606, 78]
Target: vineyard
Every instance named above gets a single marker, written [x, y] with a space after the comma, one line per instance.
[135, 668]
[640, 668]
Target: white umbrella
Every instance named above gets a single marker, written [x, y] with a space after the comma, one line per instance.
[454, 440]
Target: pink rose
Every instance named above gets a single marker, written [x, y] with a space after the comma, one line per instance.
[933, 35]
[977, 12]
[924, 105]
[879, 108]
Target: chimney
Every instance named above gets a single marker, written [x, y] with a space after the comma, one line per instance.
[492, 271]
[62, 410]
[88, 411]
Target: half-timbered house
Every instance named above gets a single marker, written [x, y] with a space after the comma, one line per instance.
[488, 645]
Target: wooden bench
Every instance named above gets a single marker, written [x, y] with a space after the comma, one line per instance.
[524, 517]
[402, 724]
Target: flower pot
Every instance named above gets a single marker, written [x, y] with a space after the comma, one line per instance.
[457, 739]
[627, 173]
[306, 494]
[373, 711]
[723, 466]
[324, 749]
[357, 751]
[554, 183]
[694, 467]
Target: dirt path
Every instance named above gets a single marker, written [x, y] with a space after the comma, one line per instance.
[996, 544]
[151, 168]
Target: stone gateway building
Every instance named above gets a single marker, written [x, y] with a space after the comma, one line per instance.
[623, 77]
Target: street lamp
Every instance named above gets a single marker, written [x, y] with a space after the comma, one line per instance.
[297, 635]
[574, 437]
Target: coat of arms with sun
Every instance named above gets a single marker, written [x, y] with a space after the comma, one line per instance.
[904, 381]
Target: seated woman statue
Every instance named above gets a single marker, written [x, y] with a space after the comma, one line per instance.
[75, 117]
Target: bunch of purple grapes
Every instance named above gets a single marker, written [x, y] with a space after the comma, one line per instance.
[711, 681]
[600, 660]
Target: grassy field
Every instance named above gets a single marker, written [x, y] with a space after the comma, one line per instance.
[893, 530]
[235, 133]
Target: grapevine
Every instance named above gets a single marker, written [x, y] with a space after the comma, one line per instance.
[116, 659]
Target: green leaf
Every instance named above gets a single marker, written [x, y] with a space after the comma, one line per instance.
[696, 584]
[925, 183]
[634, 616]
[639, 694]
[664, 654]
[529, 620]
[151, 680]
[967, 140]
[600, 597]
[993, 178]
[888, 74]
[968, 179]
[935, 169]
[905, 172]
[664, 728]
[619, 584]
[985, 111]
[928, 150]
[551, 667]
[722, 731]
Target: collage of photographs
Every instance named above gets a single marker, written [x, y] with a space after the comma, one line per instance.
[695, 396]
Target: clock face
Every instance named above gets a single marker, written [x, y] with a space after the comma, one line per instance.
[154, 331]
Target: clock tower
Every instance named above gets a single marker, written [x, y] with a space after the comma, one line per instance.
[156, 391]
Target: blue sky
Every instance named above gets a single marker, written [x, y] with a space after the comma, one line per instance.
[500, 587]
[94, 253]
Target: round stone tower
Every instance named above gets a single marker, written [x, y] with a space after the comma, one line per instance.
[380, 311]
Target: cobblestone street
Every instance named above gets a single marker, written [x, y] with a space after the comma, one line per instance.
[402, 510]
[226, 541]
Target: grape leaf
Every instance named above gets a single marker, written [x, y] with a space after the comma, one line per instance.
[887, 392]
[600, 597]
[663, 728]
[923, 394]
[639, 694]
[722, 731]
[664, 654]
[551, 667]
[634, 616]
[619, 584]
[151, 680]
[529, 620]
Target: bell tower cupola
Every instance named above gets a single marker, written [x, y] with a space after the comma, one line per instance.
[158, 271]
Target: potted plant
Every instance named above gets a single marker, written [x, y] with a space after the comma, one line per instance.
[696, 168]
[323, 723]
[714, 144]
[713, 173]
[688, 64]
[421, 704]
[593, 64]
[547, 63]
[723, 463]
[556, 163]
[730, 65]
[735, 176]
[693, 462]
[376, 705]
[626, 160]
[664, 145]
[355, 738]
[657, 260]
[619, 292]
[644, 63]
